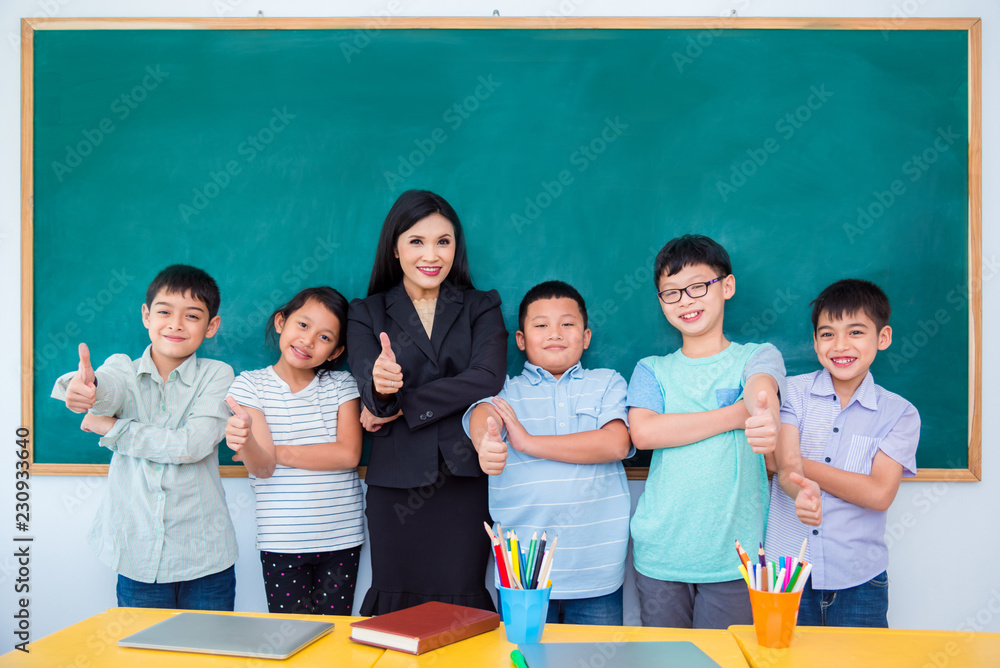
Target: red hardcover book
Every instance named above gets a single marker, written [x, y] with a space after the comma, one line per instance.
[424, 627]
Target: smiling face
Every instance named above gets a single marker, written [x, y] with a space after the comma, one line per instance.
[426, 252]
[178, 324]
[554, 337]
[308, 338]
[846, 348]
[701, 316]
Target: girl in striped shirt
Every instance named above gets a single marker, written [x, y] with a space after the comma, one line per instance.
[296, 427]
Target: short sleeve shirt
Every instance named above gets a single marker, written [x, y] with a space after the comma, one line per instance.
[849, 547]
[700, 497]
[585, 505]
[297, 510]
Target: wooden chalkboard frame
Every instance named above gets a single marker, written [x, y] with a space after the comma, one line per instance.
[972, 25]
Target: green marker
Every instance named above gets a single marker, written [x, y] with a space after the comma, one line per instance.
[794, 578]
[518, 659]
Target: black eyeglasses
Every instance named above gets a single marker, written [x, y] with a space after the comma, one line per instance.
[693, 291]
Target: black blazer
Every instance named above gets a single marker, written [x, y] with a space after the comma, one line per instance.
[464, 360]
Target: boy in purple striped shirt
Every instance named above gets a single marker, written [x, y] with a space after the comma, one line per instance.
[857, 440]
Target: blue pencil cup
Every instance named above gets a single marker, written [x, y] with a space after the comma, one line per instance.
[524, 612]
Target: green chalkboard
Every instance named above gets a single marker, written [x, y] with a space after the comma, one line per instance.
[270, 157]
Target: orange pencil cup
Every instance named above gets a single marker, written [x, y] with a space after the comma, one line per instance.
[774, 617]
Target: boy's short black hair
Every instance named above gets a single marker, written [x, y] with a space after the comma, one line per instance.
[185, 279]
[850, 296]
[550, 290]
[690, 249]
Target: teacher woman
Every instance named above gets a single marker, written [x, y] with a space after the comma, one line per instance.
[423, 346]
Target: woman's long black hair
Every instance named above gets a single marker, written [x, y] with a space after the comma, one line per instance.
[412, 207]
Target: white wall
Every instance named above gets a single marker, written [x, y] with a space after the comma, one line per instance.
[945, 538]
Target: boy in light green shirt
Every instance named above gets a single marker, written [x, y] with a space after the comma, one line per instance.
[709, 412]
[163, 524]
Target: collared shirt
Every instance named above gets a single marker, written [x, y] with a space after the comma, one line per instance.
[164, 516]
[585, 505]
[849, 547]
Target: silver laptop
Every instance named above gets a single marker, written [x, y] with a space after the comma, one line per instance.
[234, 635]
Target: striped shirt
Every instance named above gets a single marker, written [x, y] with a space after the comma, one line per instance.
[164, 516]
[586, 505]
[848, 548]
[297, 510]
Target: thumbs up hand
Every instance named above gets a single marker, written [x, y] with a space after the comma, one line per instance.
[237, 428]
[81, 393]
[808, 502]
[387, 375]
[761, 428]
[492, 449]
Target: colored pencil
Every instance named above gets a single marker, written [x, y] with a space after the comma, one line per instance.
[501, 563]
[498, 554]
[529, 561]
[514, 569]
[510, 570]
[547, 565]
[742, 554]
[515, 556]
[510, 562]
[537, 570]
[802, 551]
[760, 556]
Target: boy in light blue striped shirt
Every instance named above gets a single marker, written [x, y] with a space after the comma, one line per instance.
[163, 524]
[555, 465]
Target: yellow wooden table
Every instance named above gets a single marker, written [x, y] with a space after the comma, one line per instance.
[821, 647]
[492, 649]
[93, 643]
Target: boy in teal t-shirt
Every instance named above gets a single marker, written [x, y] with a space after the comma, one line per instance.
[710, 412]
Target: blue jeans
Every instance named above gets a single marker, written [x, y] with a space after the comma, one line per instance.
[211, 592]
[864, 605]
[601, 610]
